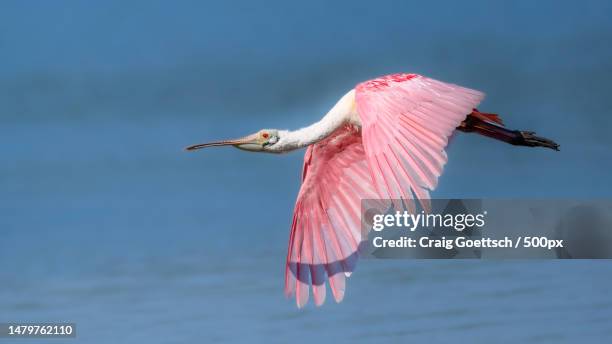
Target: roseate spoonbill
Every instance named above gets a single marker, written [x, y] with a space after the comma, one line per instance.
[384, 139]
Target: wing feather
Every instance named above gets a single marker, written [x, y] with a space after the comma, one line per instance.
[326, 229]
[406, 121]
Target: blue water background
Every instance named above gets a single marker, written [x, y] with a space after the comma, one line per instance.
[105, 222]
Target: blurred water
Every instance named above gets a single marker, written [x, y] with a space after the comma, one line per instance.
[112, 226]
[107, 223]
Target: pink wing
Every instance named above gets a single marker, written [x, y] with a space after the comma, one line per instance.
[406, 121]
[325, 233]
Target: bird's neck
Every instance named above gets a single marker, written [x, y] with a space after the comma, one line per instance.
[341, 113]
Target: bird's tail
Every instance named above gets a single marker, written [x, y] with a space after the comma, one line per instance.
[491, 125]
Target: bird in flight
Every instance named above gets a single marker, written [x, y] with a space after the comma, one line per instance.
[384, 139]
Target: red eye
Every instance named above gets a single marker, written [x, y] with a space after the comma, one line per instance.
[265, 135]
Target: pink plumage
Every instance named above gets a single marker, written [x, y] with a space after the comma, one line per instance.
[398, 153]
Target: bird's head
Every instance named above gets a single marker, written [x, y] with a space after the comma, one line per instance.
[262, 141]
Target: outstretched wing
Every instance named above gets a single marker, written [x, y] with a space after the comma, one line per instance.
[325, 233]
[406, 121]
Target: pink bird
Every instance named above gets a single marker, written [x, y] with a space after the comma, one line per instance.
[384, 139]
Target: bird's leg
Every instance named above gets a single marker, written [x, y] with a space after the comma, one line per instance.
[514, 137]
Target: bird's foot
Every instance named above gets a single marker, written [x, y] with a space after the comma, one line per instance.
[529, 139]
